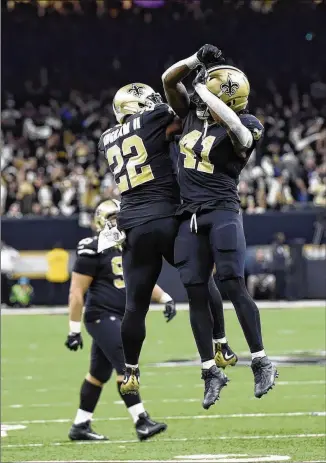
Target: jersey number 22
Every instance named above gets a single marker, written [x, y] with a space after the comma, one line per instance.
[137, 174]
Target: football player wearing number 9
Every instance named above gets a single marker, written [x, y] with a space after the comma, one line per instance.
[100, 277]
[217, 140]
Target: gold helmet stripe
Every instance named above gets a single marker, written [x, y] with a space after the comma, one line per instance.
[223, 66]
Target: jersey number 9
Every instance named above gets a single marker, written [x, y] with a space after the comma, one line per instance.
[116, 264]
[137, 173]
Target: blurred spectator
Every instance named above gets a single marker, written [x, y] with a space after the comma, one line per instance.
[57, 273]
[21, 293]
[261, 280]
[49, 130]
[9, 258]
[280, 264]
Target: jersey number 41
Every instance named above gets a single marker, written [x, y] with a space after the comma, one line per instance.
[187, 144]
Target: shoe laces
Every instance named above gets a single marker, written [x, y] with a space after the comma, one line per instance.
[257, 370]
[207, 377]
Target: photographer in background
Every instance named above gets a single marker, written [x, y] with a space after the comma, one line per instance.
[261, 279]
[9, 258]
[280, 264]
[21, 293]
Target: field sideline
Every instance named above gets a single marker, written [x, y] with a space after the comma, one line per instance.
[271, 305]
[41, 380]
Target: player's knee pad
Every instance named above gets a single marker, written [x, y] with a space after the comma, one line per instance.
[229, 251]
[139, 294]
[192, 270]
[198, 296]
[102, 375]
[234, 288]
[137, 307]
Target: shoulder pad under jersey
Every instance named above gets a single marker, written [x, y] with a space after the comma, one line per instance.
[159, 110]
[254, 125]
[101, 141]
[87, 246]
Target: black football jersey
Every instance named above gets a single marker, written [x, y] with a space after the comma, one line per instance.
[208, 166]
[106, 293]
[138, 155]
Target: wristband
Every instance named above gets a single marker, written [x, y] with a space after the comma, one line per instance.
[165, 298]
[74, 327]
[192, 62]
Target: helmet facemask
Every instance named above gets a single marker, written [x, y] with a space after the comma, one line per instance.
[202, 110]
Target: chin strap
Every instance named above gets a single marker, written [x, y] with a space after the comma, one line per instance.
[205, 128]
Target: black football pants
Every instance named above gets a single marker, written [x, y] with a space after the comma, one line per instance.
[146, 246]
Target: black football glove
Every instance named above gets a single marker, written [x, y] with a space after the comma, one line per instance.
[74, 341]
[170, 310]
[209, 56]
[201, 77]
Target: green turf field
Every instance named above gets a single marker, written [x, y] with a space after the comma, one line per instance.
[41, 379]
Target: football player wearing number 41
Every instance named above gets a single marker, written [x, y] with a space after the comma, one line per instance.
[100, 277]
[217, 140]
[137, 151]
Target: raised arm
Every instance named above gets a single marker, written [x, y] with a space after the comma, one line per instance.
[175, 92]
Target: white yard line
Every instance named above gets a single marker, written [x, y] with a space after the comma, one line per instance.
[198, 385]
[165, 401]
[163, 461]
[271, 459]
[44, 310]
[180, 439]
[182, 417]
[159, 461]
[281, 383]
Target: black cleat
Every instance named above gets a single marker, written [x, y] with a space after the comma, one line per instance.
[224, 355]
[264, 373]
[215, 380]
[83, 431]
[131, 380]
[146, 428]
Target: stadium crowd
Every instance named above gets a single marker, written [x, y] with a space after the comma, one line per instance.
[49, 132]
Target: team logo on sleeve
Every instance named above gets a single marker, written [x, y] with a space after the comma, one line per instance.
[229, 87]
[257, 133]
[136, 90]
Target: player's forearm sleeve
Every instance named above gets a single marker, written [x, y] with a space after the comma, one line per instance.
[227, 116]
[191, 63]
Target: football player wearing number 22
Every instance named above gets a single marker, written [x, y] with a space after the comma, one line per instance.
[100, 277]
[137, 150]
[218, 138]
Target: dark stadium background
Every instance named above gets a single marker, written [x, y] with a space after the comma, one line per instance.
[63, 61]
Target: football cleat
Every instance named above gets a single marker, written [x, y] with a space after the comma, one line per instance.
[224, 355]
[131, 380]
[215, 380]
[265, 374]
[146, 428]
[83, 431]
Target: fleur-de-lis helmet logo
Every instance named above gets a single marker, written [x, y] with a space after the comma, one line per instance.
[136, 90]
[229, 87]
